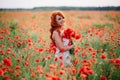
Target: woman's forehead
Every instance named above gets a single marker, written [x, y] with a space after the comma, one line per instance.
[58, 16]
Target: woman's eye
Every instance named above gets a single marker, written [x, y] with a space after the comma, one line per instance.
[59, 18]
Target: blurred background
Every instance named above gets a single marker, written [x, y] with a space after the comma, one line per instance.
[27, 52]
[61, 4]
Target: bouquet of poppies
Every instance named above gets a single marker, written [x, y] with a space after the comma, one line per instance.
[69, 34]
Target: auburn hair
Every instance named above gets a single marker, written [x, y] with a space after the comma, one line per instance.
[54, 25]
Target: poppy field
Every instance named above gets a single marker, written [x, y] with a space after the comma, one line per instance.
[26, 52]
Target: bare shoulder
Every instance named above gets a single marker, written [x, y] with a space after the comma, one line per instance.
[55, 33]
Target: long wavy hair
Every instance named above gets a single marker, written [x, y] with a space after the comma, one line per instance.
[54, 25]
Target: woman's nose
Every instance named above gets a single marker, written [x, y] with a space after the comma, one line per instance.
[63, 20]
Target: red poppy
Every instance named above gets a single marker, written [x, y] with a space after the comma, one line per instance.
[73, 71]
[7, 62]
[7, 78]
[112, 61]
[61, 57]
[61, 64]
[83, 54]
[56, 59]
[26, 64]
[83, 76]
[1, 72]
[76, 61]
[48, 75]
[55, 78]
[52, 66]
[117, 61]
[90, 49]
[1, 37]
[52, 48]
[69, 34]
[49, 57]
[37, 60]
[17, 67]
[39, 50]
[62, 50]
[2, 52]
[62, 72]
[103, 77]
[103, 56]
[33, 75]
[39, 69]
[18, 60]
[89, 30]
[77, 36]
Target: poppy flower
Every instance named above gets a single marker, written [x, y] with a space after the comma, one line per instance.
[55, 78]
[7, 78]
[69, 34]
[17, 67]
[56, 59]
[61, 64]
[37, 60]
[77, 36]
[62, 50]
[61, 57]
[52, 66]
[102, 77]
[1, 37]
[103, 56]
[7, 62]
[1, 72]
[62, 72]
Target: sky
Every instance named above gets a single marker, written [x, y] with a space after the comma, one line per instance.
[57, 3]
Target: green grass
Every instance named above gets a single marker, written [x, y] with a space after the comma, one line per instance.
[27, 53]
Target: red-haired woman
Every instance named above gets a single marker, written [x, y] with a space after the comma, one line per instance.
[62, 48]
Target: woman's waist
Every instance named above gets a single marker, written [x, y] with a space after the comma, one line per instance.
[58, 51]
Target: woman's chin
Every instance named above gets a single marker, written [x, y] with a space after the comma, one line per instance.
[62, 24]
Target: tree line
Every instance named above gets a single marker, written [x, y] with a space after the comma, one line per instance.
[66, 8]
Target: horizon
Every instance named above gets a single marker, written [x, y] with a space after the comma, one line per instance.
[62, 6]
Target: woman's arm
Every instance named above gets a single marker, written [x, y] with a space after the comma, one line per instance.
[59, 43]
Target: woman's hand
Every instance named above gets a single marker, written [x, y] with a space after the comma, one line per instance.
[72, 43]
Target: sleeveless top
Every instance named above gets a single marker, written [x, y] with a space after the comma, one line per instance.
[66, 55]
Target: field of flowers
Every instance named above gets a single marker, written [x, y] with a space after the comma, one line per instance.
[26, 53]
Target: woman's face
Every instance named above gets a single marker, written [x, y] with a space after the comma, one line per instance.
[60, 20]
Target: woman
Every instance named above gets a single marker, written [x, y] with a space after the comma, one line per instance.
[62, 48]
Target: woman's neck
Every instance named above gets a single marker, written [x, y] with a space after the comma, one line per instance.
[61, 28]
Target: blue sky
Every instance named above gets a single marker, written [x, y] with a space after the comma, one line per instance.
[38, 3]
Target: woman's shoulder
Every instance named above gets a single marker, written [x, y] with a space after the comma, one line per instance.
[55, 32]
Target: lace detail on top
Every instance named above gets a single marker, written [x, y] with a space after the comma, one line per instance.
[65, 55]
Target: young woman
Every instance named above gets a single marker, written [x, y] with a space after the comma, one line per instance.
[62, 48]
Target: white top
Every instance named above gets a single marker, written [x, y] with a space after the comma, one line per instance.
[66, 54]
